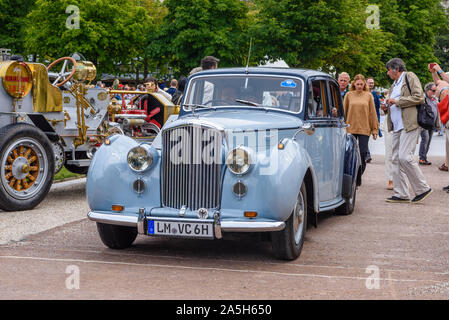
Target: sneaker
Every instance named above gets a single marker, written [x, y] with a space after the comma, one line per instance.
[425, 162]
[446, 188]
[420, 198]
[397, 200]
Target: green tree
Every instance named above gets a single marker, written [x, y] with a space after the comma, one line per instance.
[330, 35]
[193, 29]
[413, 26]
[12, 24]
[109, 33]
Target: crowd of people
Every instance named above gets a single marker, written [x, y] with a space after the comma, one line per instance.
[173, 93]
[393, 115]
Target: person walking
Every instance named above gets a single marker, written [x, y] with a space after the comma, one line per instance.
[388, 138]
[442, 86]
[173, 87]
[207, 63]
[405, 94]
[426, 135]
[370, 82]
[180, 90]
[343, 82]
[361, 116]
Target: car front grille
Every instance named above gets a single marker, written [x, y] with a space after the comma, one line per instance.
[191, 167]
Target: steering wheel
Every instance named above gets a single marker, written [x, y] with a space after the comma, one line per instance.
[65, 76]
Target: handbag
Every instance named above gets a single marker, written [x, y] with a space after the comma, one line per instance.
[426, 117]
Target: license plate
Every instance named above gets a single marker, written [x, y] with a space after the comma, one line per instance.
[202, 230]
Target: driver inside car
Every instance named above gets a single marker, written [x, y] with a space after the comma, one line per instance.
[229, 94]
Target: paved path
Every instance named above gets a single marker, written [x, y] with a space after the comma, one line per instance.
[382, 251]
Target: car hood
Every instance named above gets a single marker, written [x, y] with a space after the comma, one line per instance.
[237, 120]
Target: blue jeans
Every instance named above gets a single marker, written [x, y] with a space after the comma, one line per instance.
[426, 138]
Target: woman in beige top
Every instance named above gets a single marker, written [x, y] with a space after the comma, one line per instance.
[361, 116]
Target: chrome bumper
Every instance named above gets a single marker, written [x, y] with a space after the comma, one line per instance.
[219, 226]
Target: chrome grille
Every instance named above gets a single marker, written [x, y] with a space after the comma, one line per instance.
[191, 167]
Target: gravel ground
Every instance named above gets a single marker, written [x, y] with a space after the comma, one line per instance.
[50, 213]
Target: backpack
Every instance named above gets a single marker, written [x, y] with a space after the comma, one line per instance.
[426, 117]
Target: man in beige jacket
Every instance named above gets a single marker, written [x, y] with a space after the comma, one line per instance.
[405, 94]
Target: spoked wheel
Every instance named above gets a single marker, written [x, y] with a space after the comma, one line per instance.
[59, 154]
[27, 167]
[287, 244]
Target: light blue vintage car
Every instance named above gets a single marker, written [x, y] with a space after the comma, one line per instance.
[253, 150]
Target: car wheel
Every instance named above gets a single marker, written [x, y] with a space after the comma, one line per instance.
[348, 207]
[27, 167]
[287, 244]
[116, 237]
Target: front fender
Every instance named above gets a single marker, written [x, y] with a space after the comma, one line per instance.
[110, 179]
[272, 184]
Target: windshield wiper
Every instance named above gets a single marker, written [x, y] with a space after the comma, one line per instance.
[195, 105]
[249, 103]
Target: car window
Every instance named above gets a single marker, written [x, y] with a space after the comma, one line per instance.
[334, 101]
[318, 105]
[284, 93]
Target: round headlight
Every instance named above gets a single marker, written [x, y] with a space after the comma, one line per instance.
[238, 160]
[139, 158]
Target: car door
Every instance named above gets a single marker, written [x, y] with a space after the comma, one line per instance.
[321, 145]
[339, 128]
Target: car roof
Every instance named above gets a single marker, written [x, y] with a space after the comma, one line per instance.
[303, 73]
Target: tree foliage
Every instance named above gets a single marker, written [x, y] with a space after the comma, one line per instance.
[12, 24]
[319, 34]
[333, 33]
[144, 35]
[413, 26]
[109, 33]
[193, 29]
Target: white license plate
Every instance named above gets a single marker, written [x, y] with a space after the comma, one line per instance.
[181, 229]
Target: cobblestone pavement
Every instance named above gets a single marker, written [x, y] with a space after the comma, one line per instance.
[382, 251]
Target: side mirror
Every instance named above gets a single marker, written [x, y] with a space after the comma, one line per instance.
[307, 128]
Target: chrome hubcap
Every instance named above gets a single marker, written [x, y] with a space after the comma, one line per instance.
[298, 218]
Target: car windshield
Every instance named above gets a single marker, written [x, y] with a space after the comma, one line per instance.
[284, 93]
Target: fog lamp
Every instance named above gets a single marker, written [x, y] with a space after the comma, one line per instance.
[139, 186]
[240, 189]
